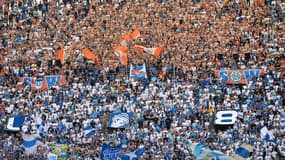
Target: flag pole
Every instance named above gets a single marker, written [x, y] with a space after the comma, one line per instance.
[174, 71]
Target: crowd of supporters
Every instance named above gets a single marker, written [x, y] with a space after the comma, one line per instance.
[170, 111]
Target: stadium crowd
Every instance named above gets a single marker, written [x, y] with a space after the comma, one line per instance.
[170, 111]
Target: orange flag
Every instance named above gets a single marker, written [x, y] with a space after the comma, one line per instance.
[129, 36]
[153, 51]
[60, 55]
[89, 55]
[122, 52]
[162, 74]
[124, 38]
[136, 33]
[139, 47]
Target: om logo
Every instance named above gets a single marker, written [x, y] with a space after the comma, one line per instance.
[38, 83]
[236, 76]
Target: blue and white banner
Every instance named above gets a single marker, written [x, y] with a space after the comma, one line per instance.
[15, 123]
[110, 153]
[243, 152]
[242, 76]
[134, 155]
[201, 152]
[44, 83]
[89, 132]
[119, 120]
[138, 72]
[31, 143]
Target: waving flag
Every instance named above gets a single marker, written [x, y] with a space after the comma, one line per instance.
[266, 134]
[119, 120]
[163, 73]
[90, 55]
[124, 38]
[122, 52]
[31, 143]
[201, 152]
[89, 131]
[130, 36]
[138, 72]
[243, 152]
[139, 47]
[135, 155]
[152, 51]
[15, 123]
[60, 55]
[136, 33]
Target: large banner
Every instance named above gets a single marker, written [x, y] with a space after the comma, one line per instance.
[45, 82]
[110, 153]
[138, 72]
[119, 120]
[242, 76]
[15, 123]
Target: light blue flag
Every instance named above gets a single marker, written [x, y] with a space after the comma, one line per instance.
[197, 148]
[52, 156]
[31, 143]
[201, 152]
[89, 131]
[135, 155]
[206, 152]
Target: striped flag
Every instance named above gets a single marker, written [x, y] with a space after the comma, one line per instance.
[89, 132]
[138, 72]
[152, 51]
[31, 143]
[122, 52]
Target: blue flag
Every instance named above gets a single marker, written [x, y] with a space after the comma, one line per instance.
[89, 131]
[119, 120]
[243, 152]
[138, 72]
[15, 123]
[31, 143]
